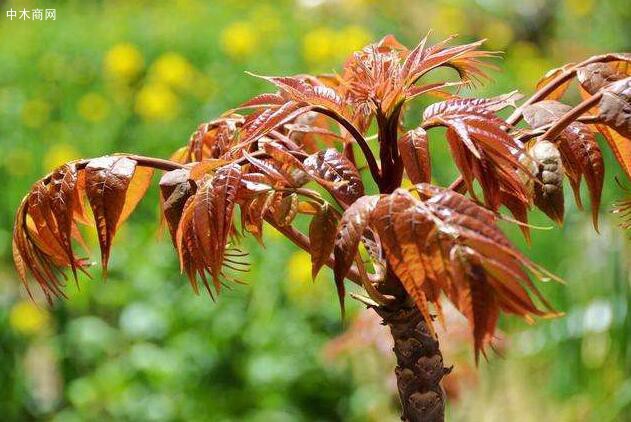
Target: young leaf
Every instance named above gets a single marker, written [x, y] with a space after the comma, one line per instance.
[394, 218]
[596, 76]
[578, 141]
[332, 166]
[322, 237]
[107, 181]
[175, 189]
[61, 189]
[349, 233]
[549, 76]
[615, 107]
[621, 147]
[414, 150]
[549, 192]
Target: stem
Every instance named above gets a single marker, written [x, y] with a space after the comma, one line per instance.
[541, 130]
[359, 138]
[420, 366]
[391, 164]
[156, 163]
[571, 116]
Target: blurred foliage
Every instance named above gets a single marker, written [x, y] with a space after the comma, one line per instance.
[138, 76]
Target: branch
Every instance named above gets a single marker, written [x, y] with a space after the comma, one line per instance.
[566, 75]
[555, 83]
[571, 116]
[541, 130]
[156, 163]
[359, 138]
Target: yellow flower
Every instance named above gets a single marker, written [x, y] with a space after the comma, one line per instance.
[123, 62]
[35, 113]
[156, 101]
[93, 107]
[26, 318]
[299, 286]
[350, 39]
[238, 40]
[59, 154]
[579, 7]
[173, 70]
[299, 267]
[497, 33]
[319, 46]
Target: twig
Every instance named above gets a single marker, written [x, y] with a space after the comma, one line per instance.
[555, 83]
[571, 116]
[361, 141]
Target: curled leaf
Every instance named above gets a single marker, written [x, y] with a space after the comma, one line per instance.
[332, 166]
[615, 107]
[549, 190]
[107, 181]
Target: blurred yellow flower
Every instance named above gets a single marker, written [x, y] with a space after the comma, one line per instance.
[26, 318]
[156, 101]
[298, 283]
[350, 39]
[123, 62]
[299, 267]
[93, 107]
[59, 154]
[324, 45]
[319, 46]
[35, 113]
[173, 70]
[238, 40]
[579, 7]
[497, 33]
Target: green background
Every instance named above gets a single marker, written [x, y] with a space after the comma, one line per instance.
[125, 76]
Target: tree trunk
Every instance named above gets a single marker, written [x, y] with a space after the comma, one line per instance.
[419, 362]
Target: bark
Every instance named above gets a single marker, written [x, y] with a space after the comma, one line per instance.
[419, 362]
[419, 365]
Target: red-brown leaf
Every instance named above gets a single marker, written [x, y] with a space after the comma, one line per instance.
[175, 189]
[349, 233]
[615, 107]
[322, 232]
[549, 76]
[332, 166]
[107, 181]
[61, 189]
[414, 150]
[581, 141]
